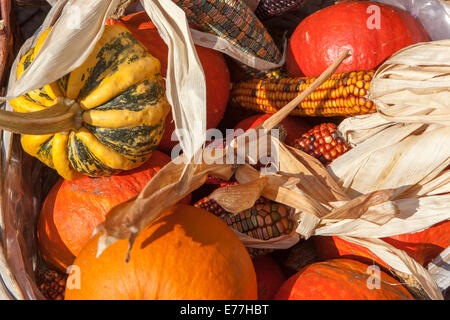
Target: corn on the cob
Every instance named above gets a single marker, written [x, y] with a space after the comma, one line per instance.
[323, 143]
[344, 94]
[265, 220]
[270, 8]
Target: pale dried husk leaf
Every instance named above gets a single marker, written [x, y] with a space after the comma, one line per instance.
[438, 269]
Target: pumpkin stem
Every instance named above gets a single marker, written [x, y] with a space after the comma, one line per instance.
[65, 115]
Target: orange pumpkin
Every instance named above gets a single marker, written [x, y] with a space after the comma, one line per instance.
[372, 31]
[422, 246]
[185, 254]
[73, 209]
[341, 279]
[217, 75]
[269, 276]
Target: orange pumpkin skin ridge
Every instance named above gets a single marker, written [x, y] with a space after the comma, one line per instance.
[217, 75]
[319, 39]
[339, 279]
[422, 246]
[187, 253]
[73, 209]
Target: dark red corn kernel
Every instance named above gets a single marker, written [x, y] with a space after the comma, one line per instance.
[52, 284]
[323, 142]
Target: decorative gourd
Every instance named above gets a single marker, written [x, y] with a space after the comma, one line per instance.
[372, 31]
[289, 128]
[104, 117]
[216, 71]
[73, 209]
[422, 246]
[341, 279]
[185, 254]
[269, 276]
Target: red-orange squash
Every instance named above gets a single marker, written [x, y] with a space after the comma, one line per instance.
[269, 276]
[371, 31]
[294, 127]
[341, 279]
[422, 246]
[185, 254]
[217, 75]
[73, 209]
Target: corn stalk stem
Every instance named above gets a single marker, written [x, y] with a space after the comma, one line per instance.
[65, 115]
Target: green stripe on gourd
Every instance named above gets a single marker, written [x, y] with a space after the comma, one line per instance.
[137, 97]
[133, 142]
[84, 161]
[45, 152]
[122, 49]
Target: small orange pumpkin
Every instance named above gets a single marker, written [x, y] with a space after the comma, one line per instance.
[73, 209]
[185, 254]
[341, 279]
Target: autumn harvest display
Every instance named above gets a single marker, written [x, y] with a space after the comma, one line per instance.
[225, 150]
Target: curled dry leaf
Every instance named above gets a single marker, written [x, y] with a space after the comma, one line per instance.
[239, 197]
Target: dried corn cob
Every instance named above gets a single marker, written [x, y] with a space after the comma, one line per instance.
[270, 8]
[323, 143]
[265, 220]
[344, 94]
[234, 21]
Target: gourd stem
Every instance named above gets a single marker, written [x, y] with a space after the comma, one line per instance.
[63, 116]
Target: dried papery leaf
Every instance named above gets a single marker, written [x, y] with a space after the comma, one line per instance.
[356, 207]
[355, 130]
[239, 197]
[404, 163]
[436, 182]
[404, 216]
[318, 182]
[412, 85]
[276, 190]
[399, 260]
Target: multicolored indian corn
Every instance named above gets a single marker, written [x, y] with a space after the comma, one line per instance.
[234, 21]
[323, 142]
[344, 94]
[271, 8]
[265, 220]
